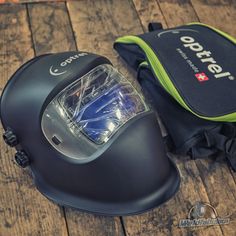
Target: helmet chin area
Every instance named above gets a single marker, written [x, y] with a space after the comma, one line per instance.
[87, 113]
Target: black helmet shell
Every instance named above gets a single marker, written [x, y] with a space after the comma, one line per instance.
[129, 175]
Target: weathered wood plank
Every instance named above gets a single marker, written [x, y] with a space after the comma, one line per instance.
[30, 1]
[52, 31]
[51, 28]
[88, 224]
[23, 211]
[98, 23]
[177, 12]
[221, 189]
[218, 13]
[149, 11]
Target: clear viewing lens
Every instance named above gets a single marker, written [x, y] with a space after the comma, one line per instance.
[93, 107]
[99, 103]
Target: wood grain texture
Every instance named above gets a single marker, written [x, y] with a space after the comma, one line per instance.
[98, 23]
[30, 1]
[51, 28]
[88, 224]
[221, 189]
[218, 13]
[149, 11]
[23, 210]
[177, 12]
[52, 32]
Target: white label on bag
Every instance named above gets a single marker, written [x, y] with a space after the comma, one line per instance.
[205, 57]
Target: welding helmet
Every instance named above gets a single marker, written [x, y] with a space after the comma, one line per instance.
[86, 132]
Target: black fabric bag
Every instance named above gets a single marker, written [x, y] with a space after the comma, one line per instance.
[195, 110]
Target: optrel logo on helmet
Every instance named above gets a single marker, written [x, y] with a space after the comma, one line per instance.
[61, 69]
[205, 57]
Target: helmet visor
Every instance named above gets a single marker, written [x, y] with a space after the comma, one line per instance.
[85, 115]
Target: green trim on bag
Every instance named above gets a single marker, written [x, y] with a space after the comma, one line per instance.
[165, 80]
[156, 65]
[229, 37]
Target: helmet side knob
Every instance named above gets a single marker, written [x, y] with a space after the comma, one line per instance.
[22, 159]
[10, 138]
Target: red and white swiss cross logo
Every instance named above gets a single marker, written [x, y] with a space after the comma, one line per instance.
[201, 77]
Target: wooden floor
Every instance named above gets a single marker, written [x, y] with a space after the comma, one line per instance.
[29, 29]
